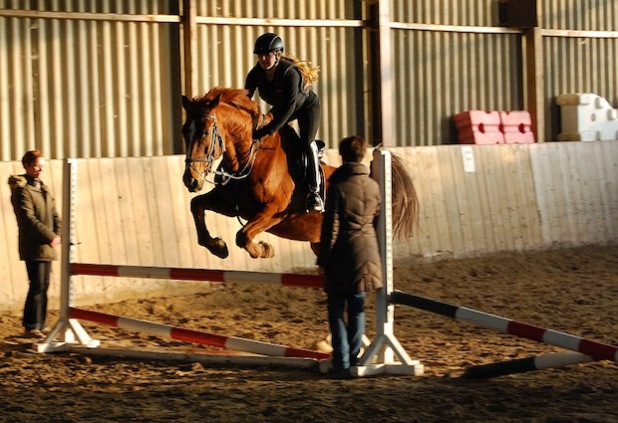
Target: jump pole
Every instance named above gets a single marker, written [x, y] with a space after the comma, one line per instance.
[213, 276]
[523, 365]
[379, 357]
[584, 349]
[198, 337]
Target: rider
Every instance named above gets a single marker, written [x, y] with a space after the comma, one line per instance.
[283, 82]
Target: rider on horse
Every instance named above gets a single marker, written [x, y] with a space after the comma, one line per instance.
[283, 82]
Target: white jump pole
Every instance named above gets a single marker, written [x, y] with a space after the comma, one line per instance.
[379, 357]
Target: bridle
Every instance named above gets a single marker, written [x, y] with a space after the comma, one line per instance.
[217, 141]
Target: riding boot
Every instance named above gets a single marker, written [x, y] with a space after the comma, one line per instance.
[314, 201]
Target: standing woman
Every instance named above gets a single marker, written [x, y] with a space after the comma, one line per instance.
[284, 83]
[349, 252]
[39, 229]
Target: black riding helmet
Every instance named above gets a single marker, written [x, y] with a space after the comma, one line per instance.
[267, 43]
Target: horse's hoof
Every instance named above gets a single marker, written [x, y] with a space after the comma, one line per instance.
[218, 247]
[267, 250]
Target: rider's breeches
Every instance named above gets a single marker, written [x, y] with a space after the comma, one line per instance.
[308, 124]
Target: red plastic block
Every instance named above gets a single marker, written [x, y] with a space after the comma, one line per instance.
[479, 127]
[516, 127]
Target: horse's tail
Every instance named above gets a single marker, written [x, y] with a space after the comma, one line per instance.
[405, 201]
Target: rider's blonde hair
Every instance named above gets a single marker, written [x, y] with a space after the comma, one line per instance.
[309, 72]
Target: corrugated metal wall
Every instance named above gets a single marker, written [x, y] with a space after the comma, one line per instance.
[576, 61]
[589, 15]
[482, 13]
[447, 60]
[87, 86]
[439, 74]
[98, 78]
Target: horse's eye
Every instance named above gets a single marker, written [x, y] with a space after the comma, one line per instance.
[206, 133]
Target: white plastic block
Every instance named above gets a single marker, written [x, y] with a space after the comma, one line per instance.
[587, 117]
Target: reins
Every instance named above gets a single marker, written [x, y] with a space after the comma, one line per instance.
[217, 140]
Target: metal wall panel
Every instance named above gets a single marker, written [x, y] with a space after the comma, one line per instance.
[439, 74]
[579, 62]
[109, 85]
[446, 12]
[86, 88]
[578, 65]
[583, 15]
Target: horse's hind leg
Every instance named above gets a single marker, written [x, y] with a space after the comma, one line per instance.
[216, 246]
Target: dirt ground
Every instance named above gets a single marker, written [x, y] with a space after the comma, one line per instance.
[570, 290]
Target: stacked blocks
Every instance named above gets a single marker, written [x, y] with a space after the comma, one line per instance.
[516, 127]
[493, 127]
[479, 127]
[587, 117]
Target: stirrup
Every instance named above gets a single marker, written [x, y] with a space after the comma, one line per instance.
[314, 203]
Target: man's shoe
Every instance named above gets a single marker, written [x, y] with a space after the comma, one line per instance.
[314, 203]
[34, 333]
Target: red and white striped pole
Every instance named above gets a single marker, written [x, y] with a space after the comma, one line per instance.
[198, 337]
[216, 276]
[595, 349]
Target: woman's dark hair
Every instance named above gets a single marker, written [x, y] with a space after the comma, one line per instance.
[352, 149]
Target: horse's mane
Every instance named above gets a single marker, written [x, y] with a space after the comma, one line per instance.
[234, 97]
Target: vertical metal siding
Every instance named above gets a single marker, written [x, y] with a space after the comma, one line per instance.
[578, 65]
[583, 15]
[86, 88]
[446, 12]
[575, 62]
[439, 74]
[104, 88]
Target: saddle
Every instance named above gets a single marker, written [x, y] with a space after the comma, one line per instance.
[297, 156]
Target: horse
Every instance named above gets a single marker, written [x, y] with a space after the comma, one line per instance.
[258, 180]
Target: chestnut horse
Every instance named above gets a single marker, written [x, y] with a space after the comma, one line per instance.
[255, 179]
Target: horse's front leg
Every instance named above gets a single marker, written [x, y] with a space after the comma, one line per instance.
[199, 205]
[260, 223]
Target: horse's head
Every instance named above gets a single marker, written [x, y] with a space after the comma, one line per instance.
[221, 121]
[203, 140]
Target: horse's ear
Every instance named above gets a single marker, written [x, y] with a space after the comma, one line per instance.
[215, 101]
[186, 103]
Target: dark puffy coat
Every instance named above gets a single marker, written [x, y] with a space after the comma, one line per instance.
[37, 218]
[349, 251]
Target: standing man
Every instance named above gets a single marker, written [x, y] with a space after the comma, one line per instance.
[39, 229]
[349, 252]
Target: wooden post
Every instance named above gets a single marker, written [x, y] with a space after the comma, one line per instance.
[382, 74]
[189, 35]
[535, 76]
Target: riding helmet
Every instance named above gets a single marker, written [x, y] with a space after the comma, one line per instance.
[267, 43]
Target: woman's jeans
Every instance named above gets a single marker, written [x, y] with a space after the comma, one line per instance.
[35, 309]
[347, 338]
